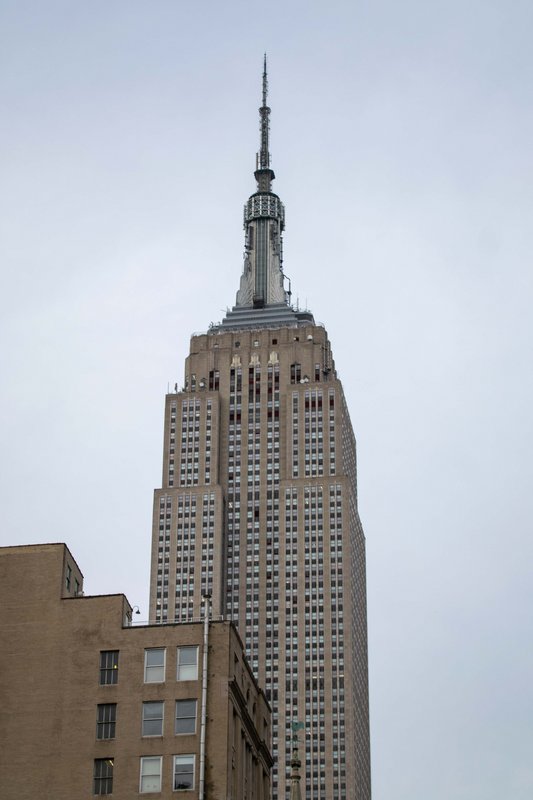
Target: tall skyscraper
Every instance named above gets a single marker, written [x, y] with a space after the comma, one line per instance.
[258, 508]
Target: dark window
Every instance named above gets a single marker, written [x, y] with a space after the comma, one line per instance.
[296, 373]
[184, 772]
[103, 776]
[108, 667]
[106, 717]
[185, 716]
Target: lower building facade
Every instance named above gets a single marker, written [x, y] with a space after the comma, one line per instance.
[93, 705]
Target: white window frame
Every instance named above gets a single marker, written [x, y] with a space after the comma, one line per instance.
[150, 674]
[194, 718]
[144, 774]
[143, 720]
[182, 670]
[181, 758]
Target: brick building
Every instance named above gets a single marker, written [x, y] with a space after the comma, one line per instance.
[92, 705]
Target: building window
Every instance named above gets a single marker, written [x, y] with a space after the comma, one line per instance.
[152, 720]
[154, 665]
[108, 667]
[103, 776]
[68, 577]
[185, 716]
[296, 373]
[187, 664]
[150, 774]
[106, 717]
[183, 772]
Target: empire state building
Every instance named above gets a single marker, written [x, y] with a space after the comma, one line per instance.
[258, 510]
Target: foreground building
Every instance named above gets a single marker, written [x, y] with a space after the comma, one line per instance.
[258, 508]
[94, 706]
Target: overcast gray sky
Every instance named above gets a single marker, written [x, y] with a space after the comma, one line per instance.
[401, 141]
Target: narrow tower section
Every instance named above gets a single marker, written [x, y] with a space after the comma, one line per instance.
[262, 286]
[264, 220]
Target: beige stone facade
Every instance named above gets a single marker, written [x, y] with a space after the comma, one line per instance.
[92, 705]
[258, 506]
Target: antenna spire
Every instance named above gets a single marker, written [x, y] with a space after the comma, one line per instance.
[265, 81]
[263, 174]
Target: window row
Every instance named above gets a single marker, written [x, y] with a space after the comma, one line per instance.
[152, 718]
[154, 665]
[151, 770]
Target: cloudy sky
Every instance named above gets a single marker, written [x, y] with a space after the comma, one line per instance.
[401, 141]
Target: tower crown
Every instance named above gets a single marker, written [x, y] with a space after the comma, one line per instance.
[262, 300]
[264, 221]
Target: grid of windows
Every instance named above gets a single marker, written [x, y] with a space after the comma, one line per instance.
[293, 608]
[337, 635]
[208, 439]
[253, 511]
[163, 557]
[185, 556]
[106, 717]
[172, 445]
[108, 667]
[272, 584]
[314, 637]
[208, 542]
[331, 432]
[314, 433]
[298, 560]
[190, 442]
[234, 489]
[295, 435]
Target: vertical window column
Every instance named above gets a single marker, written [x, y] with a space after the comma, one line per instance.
[337, 632]
[208, 441]
[331, 431]
[295, 435]
[172, 445]
[234, 493]
[163, 558]
[208, 541]
[185, 557]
